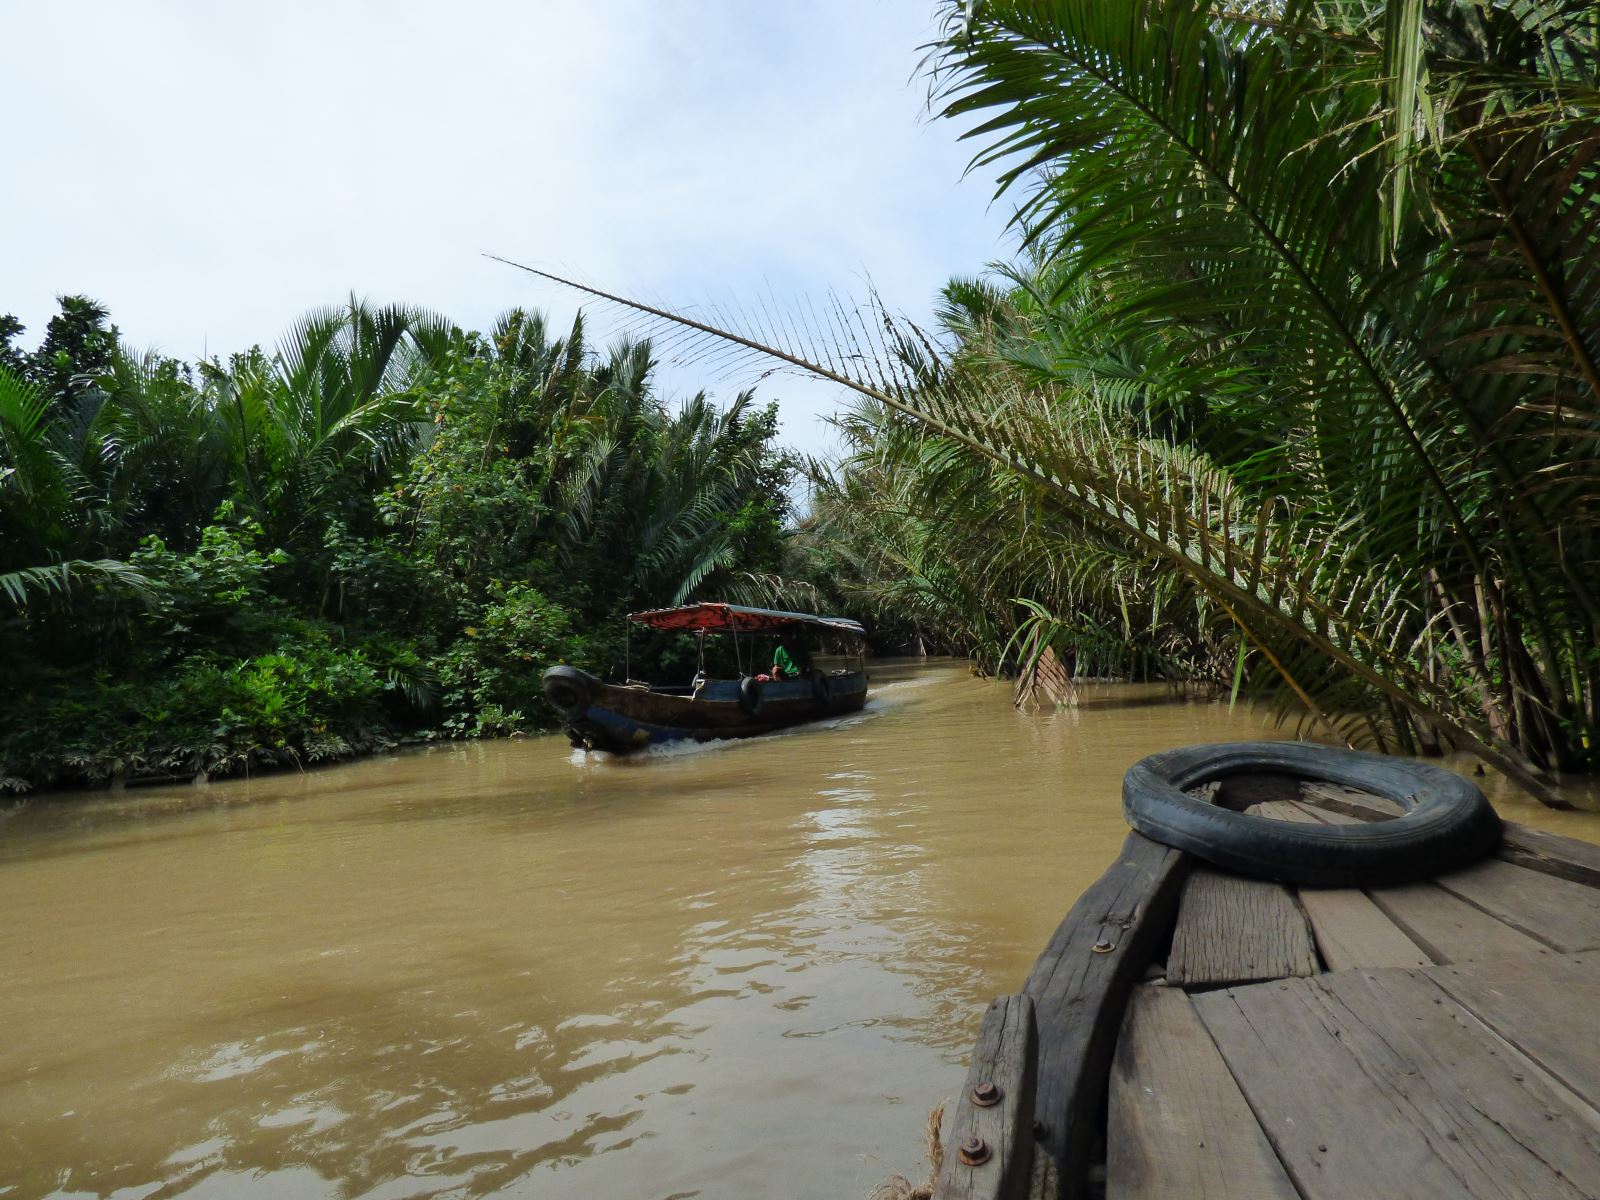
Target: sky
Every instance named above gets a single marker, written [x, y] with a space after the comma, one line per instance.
[211, 171]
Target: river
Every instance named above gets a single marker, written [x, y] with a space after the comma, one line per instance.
[501, 968]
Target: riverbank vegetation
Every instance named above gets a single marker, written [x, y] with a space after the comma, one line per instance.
[1293, 389]
[386, 527]
[1296, 384]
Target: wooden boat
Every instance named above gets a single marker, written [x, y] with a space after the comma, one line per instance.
[1193, 1032]
[621, 718]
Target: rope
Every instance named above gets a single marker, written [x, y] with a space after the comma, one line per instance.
[898, 1187]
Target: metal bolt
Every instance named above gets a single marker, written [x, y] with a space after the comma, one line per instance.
[1104, 946]
[986, 1094]
[974, 1152]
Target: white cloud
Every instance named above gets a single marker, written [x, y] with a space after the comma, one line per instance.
[210, 171]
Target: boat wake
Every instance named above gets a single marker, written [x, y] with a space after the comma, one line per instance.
[688, 748]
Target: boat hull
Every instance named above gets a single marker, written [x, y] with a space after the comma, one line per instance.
[621, 720]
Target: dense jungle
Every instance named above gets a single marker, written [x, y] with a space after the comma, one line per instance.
[1292, 388]
[384, 528]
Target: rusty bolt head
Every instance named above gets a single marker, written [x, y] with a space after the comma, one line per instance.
[974, 1152]
[1104, 946]
[986, 1094]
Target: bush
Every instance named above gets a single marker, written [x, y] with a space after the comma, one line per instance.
[490, 676]
[306, 701]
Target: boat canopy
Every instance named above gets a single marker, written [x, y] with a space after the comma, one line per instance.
[735, 618]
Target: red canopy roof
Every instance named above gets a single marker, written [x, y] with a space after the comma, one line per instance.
[729, 618]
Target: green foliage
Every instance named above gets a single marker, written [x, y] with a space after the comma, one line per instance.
[1380, 354]
[223, 580]
[306, 701]
[1307, 336]
[79, 344]
[489, 677]
[386, 529]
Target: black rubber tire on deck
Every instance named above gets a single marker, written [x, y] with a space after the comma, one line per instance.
[1446, 825]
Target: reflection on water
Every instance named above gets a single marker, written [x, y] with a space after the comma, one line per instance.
[503, 968]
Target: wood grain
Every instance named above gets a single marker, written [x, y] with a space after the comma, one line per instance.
[1079, 994]
[1338, 798]
[1177, 1124]
[1552, 1015]
[1550, 854]
[1231, 929]
[1546, 853]
[1450, 929]
[1376, 1083]
[1350, 930]
[1004, 1056]
[1558, 912]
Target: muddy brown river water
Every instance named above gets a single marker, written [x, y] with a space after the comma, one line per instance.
[503, 969]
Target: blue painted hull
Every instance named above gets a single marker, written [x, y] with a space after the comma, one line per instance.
[600, 716]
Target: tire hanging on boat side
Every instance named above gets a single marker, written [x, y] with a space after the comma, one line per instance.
[567, 689]
[750, 695]
[822, 689]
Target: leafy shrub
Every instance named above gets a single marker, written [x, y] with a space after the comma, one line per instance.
[490, 676]
[387, 529]
[306, 701]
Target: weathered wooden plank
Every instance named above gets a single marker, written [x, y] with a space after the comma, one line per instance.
[1231, 929]
[1450, 929]
[1349, 801]
[1550, 1014]
[1547, 853]
[1556, 911]
[1331, 816]
[995, 1110]
[1376, 1083]
[1447, 927]
[1279, 810]
[1351, 931]
[1550, 854]
[1079, 986]
[1177, 1123]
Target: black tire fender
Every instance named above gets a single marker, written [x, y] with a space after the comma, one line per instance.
[750, 698]
[822, 688]
[1446, 824]
[567, 689]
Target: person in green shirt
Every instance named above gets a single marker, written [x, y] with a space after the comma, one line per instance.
[789, 659]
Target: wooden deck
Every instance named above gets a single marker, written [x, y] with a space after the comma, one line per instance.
[1196, 1034]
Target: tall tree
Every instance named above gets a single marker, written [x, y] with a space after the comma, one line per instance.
[1316, 334]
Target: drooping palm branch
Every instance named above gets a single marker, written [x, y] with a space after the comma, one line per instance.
[1273, 571]
[1344, 388]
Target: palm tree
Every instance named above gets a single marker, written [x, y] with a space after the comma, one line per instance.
[55, 524]
[553, 461]
[1353, 397]
[142, 450]
[330, 415]
[651, 491]
[1422, 361]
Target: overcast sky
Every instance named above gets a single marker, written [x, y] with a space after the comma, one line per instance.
[210, 170]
